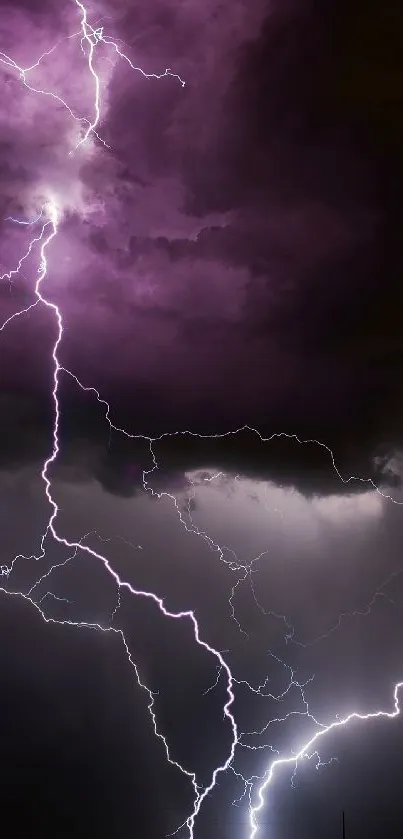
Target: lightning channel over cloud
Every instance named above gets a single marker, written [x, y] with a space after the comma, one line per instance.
[48, 232]
[50, 217]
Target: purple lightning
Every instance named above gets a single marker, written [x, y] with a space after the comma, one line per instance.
[50, 215]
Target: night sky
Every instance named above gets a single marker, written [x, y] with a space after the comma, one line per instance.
[201, 414]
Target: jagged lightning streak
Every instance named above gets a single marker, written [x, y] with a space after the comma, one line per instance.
[8, 275]
[91, 38]
[49, 231]
[23, 73]
[305, 752]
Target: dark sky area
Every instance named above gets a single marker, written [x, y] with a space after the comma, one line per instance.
[201, 325]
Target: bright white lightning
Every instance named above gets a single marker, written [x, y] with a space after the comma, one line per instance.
[47, 234]
[17, 270]
[49, 231]
[23, 222]
[306, 752]
[91, 38]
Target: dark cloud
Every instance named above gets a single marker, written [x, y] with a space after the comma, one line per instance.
[89, 449]
[244, 251]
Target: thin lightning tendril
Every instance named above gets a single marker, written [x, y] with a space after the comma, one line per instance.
[90, 39]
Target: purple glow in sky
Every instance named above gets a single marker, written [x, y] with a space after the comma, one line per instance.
[183, 220]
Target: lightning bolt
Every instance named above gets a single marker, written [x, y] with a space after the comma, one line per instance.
[92, 37]
[48, 233]
[305, 752]
[50, 216]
